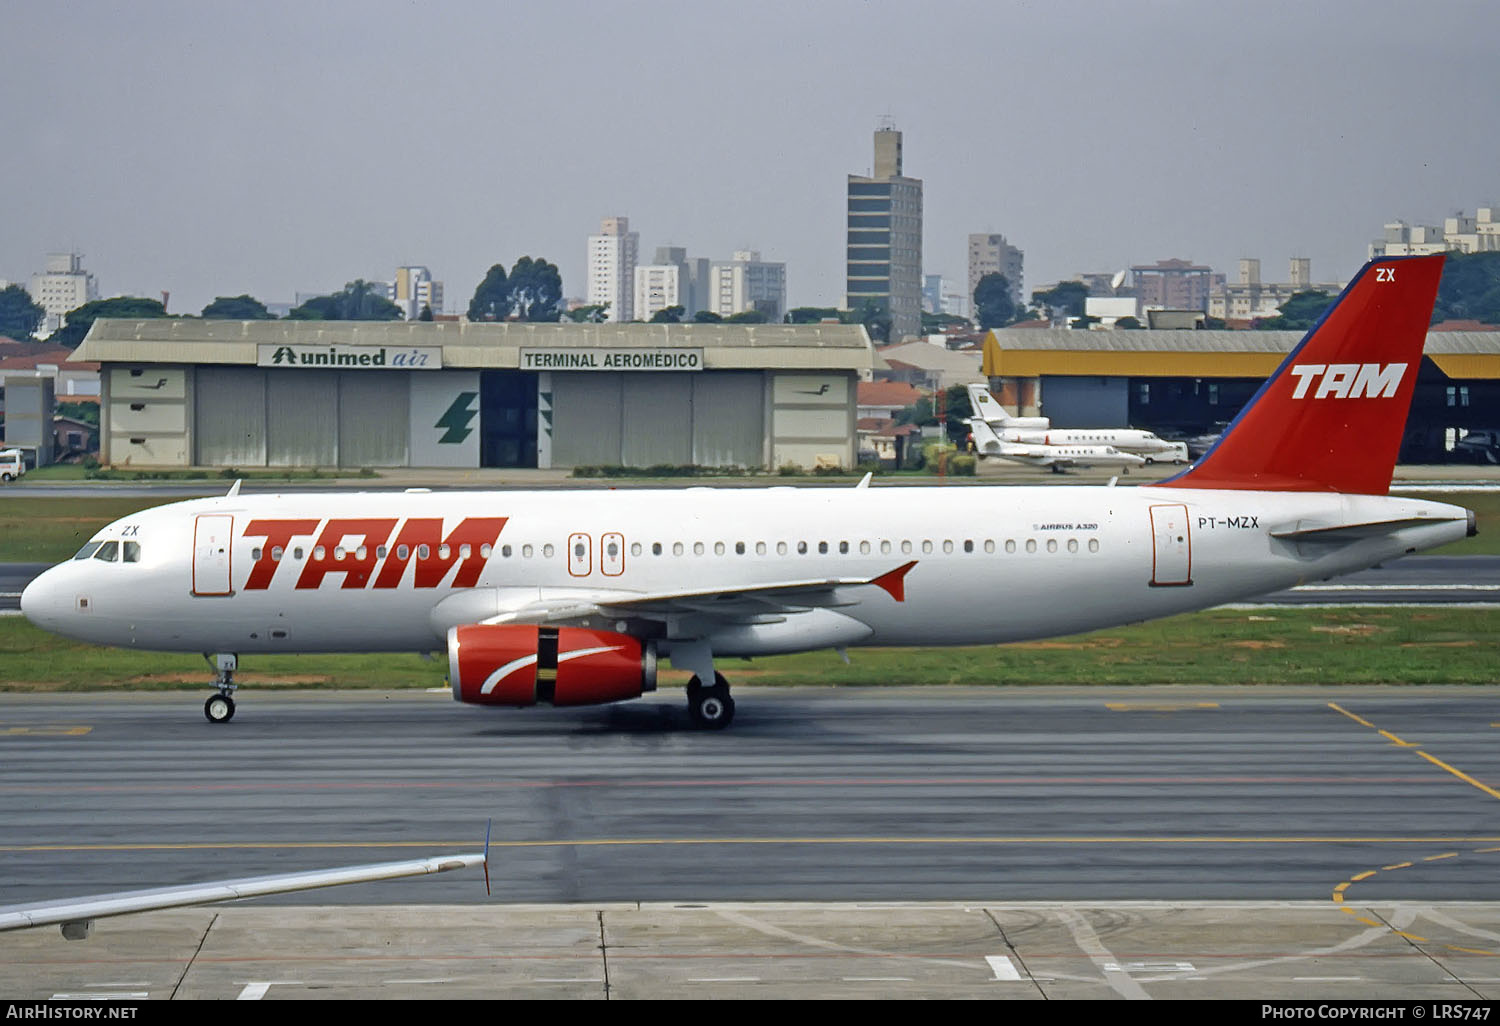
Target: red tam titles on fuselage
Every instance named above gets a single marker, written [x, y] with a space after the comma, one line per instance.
[420, 541]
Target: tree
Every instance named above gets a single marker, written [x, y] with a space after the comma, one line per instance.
[955, 409]
[593, 313]
[1298, 313]
[706, 317]
[933, 323]
[876, 319]
[1470, 288]
[536, 290]
[238, 308]
[426, 314]
[1127, 323]
[78, 322]
[669, 315]
[818, 314]
[359, 301]
[993, 303]
[748, 317]
[1067, 296]
[20, 316]
[492, 301]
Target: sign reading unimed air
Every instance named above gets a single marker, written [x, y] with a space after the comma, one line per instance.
[341, 357]
[611, 359]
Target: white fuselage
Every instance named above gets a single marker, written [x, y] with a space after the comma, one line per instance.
[1125, 439]
[991, 564]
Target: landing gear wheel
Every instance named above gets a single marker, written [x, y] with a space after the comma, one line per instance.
[710, 708]
[219, 709]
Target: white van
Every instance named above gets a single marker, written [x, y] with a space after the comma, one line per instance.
[12, 464]
[1178, 454]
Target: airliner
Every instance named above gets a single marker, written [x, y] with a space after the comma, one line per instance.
[1038, 431]
[572, 598]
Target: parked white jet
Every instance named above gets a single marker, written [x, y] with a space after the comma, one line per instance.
[1038, 431]
[569, 598]
[1052, 457]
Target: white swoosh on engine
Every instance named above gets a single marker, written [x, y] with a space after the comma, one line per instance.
[515, 664]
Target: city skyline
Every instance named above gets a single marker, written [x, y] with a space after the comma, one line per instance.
[212, 151]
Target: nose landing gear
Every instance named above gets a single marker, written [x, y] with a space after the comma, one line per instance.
[220, 708]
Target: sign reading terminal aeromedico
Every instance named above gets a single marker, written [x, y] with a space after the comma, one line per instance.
[350, 357]
[591, 359]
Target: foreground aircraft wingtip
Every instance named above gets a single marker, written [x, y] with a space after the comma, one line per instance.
[893, 583]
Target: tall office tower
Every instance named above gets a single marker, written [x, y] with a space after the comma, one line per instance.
[991, 254]
[748, 283]
[413, 289]
[884, 264]
[63, 286]
[612, 259]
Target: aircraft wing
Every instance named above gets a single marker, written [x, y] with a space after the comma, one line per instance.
[75, 915]
[729, 603]
[1032, 455]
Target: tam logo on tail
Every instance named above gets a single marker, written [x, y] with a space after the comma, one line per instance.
[1348, 380]
[1309, 428]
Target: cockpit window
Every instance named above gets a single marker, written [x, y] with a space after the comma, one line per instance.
[109, 552]
[132, 552]
[87, 550]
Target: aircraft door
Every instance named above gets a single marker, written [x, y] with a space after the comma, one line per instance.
[212, 537]
[1171, 553]
[612, 554]
[580, 555]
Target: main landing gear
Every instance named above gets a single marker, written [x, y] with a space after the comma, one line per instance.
[710, 707]
[220, 708]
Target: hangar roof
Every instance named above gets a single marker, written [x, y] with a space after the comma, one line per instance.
[481, 345]
[1031, 352]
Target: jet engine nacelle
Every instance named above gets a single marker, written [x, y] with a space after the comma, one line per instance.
[523, 664]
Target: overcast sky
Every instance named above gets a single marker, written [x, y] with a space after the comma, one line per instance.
[275, 147]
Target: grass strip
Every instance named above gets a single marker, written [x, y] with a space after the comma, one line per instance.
[1350, 645]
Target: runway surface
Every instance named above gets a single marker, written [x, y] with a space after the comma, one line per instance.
[849, 794]
[1186, 842]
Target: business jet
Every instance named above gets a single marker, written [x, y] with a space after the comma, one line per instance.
[571, 598]
[1051, 457]
[1038, 431]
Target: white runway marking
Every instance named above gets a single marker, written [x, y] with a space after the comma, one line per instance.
[1003, 967]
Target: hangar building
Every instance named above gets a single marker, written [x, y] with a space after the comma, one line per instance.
[189, 392]
[1191, 382]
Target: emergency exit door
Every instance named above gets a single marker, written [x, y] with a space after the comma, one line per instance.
[1172, 547]
[212, 534]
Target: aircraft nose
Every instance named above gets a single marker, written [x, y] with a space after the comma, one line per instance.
[42, 601]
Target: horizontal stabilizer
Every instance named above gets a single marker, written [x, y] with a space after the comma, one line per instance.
[1338, 533]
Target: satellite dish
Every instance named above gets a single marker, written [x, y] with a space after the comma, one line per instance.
[1117, 280]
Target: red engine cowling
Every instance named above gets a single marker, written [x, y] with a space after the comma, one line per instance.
[523, 664]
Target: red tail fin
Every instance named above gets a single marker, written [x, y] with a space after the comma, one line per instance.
[1332, 416]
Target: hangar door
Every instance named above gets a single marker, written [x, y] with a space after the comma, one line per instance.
[712, 419]
[229, 417]
[507, 419]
